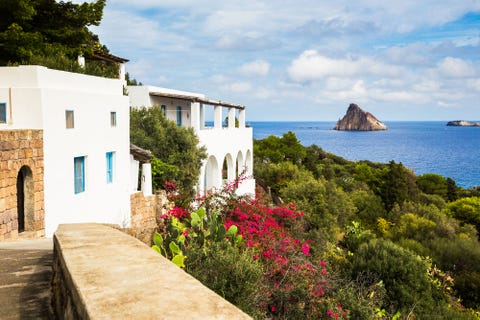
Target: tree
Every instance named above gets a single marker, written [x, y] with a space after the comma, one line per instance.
[404, 275]
[176, 148]
[433, 184]
[275, 149]
[452, 190]
[314, 154]
[31, 28]
[398, 185]
[467, 210]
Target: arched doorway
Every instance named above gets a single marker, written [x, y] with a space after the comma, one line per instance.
[249, 163]
[228, 173]
[25, 200]
[212, 174]
[240, 164]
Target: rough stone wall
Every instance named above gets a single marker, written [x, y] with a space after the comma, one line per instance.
[145, 212]
[19, 148]
[64, 298]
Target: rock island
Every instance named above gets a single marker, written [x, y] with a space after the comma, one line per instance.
[358, 120]
[463, 123]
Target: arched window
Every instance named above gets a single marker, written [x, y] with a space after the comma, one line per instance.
[25, 200]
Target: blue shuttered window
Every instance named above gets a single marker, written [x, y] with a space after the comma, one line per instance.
[79, 172]
[109, 157]
[3, 113]
[179, 116]
[164, 110]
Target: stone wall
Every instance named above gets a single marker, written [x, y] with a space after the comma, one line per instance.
[102, 273]
[21, 152]
[145, 212]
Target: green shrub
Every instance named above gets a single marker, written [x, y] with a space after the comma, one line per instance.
[232, 273]
[404, 275]
[467, 210]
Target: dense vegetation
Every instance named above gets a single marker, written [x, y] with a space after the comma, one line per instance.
[52, 34]
[390, 225]
[177, 158]
[330, 238]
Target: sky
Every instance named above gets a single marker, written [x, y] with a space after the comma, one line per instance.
[307, 60]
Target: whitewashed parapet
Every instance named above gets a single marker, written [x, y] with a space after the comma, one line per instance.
[102, 273]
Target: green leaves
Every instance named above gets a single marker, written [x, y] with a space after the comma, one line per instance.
[33, 28]
[232, 231]
[177, 255]
[179, 260]
[177, 155]
[195, 220]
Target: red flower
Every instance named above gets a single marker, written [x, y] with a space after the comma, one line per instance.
[306, 249]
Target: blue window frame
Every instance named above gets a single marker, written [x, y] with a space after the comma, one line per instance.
[109, 157]
[179, 116]
[79, 172]
[164, 110]
[3, 113]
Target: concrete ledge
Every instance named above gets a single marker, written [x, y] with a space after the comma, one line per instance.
[102, 273]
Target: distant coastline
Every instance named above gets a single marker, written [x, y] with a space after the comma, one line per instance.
[424, 146]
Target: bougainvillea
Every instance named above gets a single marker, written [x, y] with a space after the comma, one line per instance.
[297, 282]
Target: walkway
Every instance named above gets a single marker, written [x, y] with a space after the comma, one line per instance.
[25, 276]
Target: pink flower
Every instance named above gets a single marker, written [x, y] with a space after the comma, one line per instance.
[330, 313]
[306, 249]
[323, 264]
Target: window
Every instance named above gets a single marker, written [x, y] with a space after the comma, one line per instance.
[79, 172]
[3, 113]
[179, 116]
[69, 119]
[113, 119]
[109, 157]
[164, 110]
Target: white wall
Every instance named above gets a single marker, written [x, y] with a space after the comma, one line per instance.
[229, 141]
[45, 95]
[25, 107]
[219, 141]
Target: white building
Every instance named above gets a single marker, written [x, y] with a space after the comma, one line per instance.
[82, 173]
[229, 148]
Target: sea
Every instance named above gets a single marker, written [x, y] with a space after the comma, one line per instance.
[424, 147]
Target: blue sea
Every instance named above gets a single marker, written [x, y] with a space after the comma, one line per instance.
[424, 147]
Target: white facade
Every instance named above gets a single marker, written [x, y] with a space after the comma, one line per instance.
[38, 98]
[227, 145]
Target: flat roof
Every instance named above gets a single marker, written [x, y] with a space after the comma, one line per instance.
[197, 99]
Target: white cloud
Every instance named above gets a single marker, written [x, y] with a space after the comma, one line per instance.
[456, 68]
[255, 68]
[134, 33]
[366, 51]
[411, 54]
[311, 65]
[357, 92]
[237, 87]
